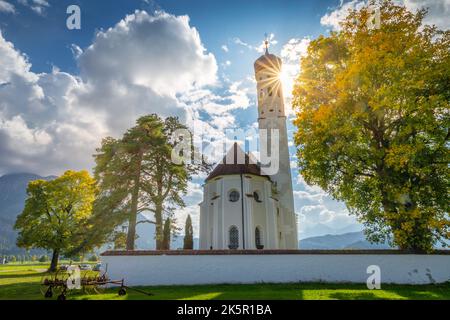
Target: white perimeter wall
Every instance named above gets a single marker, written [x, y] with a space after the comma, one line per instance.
[279, 268]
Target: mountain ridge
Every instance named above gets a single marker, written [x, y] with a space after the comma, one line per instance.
[13, 192]
[350, 240]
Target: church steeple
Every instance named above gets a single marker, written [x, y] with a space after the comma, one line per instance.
[272, 118]
[266, 44]
[270, 90]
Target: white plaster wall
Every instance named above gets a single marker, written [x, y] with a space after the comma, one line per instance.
[216, 269]
[220, 214]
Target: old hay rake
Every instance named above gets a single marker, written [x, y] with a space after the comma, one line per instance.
[60, 283]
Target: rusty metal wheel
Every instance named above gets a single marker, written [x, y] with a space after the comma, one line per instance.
[53, 283]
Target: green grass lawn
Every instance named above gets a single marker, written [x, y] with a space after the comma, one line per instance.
[23, 282]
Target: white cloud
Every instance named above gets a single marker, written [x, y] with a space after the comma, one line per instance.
[225, 48]
[235, 96]
[319, 214]
[37, 6]
[141, 46]
[316, 220]
[145, 64]
[238, 41]
[76, 51]
[51, 122]
[438, 11]
[294, 49]
[226, 64]
[333, 18]
[304, 195]
[7, 7]
[259, 47]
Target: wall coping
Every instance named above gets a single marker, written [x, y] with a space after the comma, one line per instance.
[112, 253]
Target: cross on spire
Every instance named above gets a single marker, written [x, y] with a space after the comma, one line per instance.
[266, 42]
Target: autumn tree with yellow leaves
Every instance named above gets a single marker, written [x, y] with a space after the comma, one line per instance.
[373, 120]
[56, 215]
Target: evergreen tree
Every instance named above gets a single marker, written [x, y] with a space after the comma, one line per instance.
[121, 167]
[188, 234]
[137, 174]
[167, 181]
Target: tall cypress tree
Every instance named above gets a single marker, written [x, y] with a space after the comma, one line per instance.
[188, 234]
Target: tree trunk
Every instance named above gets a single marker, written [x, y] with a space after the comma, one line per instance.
[54, 263]
[159, 227]
[166, 241]
[131, 236]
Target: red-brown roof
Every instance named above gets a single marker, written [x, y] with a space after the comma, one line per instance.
[263, 252]
[250, 166]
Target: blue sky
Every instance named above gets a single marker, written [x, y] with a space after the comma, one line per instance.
[62, 91]
[47, 42]
[45, 38]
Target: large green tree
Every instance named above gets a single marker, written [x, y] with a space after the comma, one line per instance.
[136, 174]
[56, 214]
[373, 123]
[120, 172]
[167, 182]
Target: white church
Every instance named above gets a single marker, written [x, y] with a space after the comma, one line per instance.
[243, 208]
[247, 209]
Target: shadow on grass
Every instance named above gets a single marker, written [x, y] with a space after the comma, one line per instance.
[353, 296]
[427, 292]
[23, 275]
[207, 292]
[27, 286]
[21, 291]
[398, 292]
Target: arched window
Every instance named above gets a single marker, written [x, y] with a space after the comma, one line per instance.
[258, 238]
[233, 240]
[234, 196]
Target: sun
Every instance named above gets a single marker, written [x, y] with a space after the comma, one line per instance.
[286, 79]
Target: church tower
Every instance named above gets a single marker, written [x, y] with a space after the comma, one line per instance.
[271, 115]
[246, 206]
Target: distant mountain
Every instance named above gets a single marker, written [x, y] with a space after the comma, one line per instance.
[349, 229]
[13, 192]
[321, 229]
[364, 244]
[317, 229]
[352, 240]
